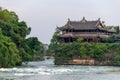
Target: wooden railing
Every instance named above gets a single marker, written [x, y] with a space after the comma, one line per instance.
[100, 33]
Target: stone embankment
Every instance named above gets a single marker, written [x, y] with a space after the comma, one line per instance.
[90, 62]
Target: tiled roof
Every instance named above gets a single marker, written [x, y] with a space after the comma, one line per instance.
[84, 25]
[81, 25]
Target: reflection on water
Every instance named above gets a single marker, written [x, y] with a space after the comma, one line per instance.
[46, 70]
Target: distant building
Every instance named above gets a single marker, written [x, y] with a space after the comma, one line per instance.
[45, 47]
[90, 31]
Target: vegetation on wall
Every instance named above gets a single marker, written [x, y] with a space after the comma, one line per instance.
[98, 51]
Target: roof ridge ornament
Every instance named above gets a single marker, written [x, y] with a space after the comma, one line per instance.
[98, 19]
[83, 20]
[57, 26]
[68, 21]
[98, 24]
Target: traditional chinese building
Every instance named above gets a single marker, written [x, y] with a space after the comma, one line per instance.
[90, 31]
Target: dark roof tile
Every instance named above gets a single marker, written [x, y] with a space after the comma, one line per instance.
[84, 25]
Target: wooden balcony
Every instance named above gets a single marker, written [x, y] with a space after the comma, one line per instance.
[85, 34]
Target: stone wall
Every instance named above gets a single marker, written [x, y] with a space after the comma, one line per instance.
[82, 62]
[89, 62]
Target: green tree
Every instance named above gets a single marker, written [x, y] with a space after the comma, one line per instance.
[32, 46]
[9, 54]
[117, 29]
[15, 32]
[83, 51]
[54, 42]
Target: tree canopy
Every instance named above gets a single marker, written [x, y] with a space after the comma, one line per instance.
[14, 46]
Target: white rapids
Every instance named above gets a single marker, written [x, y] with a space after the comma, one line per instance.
[48, 71]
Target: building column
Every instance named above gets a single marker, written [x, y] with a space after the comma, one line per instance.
[69, 39]
[87, 39]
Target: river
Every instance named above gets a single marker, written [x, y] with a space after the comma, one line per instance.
[46, 70]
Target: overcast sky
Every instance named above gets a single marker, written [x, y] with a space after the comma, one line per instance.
[43, 15]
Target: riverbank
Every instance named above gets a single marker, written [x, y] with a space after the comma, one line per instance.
[87, 61]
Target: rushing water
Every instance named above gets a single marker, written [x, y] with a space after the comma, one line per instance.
[46, 70]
